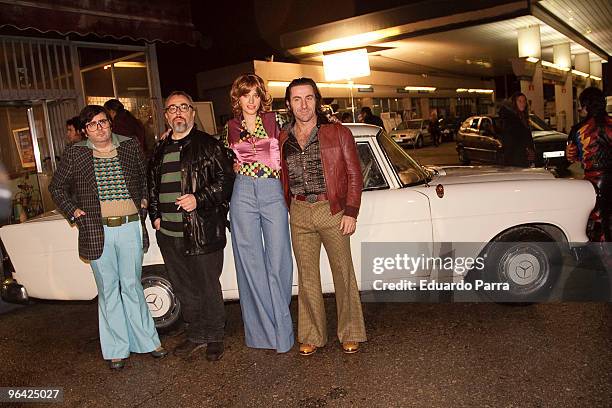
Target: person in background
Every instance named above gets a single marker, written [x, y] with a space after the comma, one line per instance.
[73, 131]
[346, 117]
[259, 219]
[112, 235]
[590, 143]
[368, 117]
[124, 123]
[517, 142]
[434, 128]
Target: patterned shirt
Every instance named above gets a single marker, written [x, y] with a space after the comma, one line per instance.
[259, 152]
[109, 176]
[170, 189]
[113, 194]
[304, 166]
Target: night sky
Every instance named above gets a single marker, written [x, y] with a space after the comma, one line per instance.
[239, 31]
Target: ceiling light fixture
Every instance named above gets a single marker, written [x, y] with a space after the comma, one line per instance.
[475, 90]
[322, 85]
[551, 65]
[595, 77]
[420, 88]
[580, 73]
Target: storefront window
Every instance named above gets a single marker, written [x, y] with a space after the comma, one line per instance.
[124, 78]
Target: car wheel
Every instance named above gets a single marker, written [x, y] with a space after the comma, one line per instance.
[419, 141]
[526, 260]
[163, 303]
[463, 157]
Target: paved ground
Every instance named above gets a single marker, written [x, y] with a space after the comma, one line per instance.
[418, 355]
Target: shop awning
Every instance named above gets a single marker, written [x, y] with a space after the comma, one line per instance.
[152, 20]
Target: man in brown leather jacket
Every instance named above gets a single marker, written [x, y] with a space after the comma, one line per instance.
[322, 182]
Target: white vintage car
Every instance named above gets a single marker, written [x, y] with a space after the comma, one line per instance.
[402, 202]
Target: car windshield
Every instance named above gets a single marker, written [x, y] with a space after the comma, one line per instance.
[401, 126]
[413, 124]
[409, 171]
[537, 123]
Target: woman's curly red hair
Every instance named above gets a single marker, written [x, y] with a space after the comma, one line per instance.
[242, 86]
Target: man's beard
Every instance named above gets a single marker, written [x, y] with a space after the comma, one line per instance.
[180, 127]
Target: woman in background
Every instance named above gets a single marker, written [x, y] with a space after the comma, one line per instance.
[516, 136]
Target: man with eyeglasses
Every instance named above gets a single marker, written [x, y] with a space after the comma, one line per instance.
[190, 184]
[101, 186]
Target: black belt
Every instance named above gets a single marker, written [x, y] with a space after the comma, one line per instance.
[311, 198]
[120, 220]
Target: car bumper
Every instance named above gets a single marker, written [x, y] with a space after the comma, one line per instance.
[13, 292]
[404, 140]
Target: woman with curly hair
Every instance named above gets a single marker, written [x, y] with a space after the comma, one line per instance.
[259, 218]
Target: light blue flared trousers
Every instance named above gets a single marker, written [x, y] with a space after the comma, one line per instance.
[264, 266]
[125, 322]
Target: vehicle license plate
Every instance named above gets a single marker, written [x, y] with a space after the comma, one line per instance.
[558, 153]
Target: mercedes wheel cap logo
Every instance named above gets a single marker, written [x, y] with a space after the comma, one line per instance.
[155, 302]
[524, 270]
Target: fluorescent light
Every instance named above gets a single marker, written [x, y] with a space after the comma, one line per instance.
[532, 59]
[595, 77]
[322, 85]
[352, 41]
[475, 90]
[420, 88]
[129, 64]
[126, 64]
[582, 74]
[337, 85]
[551, 65]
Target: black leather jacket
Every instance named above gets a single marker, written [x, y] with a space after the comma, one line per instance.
[207, 173]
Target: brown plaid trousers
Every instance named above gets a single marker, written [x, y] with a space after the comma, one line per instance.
[311, 225]
[74, 186]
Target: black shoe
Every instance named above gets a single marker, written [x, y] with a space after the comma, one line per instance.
[187, 348]
[214, 351]
[180, 330]
[116, 365]
[160, 352]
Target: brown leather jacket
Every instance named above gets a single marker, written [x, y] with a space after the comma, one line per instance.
[341, 168]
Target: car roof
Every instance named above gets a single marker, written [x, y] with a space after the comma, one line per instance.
[363, 129]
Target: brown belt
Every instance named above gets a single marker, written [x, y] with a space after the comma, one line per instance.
[118, 221]
[311, 198]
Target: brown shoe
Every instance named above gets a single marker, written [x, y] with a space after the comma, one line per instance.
[350, 347]
[307, 349]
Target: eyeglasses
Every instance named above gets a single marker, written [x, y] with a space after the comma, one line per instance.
[183, 107]
[103, 123]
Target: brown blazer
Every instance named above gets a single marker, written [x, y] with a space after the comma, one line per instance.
[341, 168]
[74, 186]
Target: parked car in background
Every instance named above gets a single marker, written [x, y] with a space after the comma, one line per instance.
[414, 132]
[479, 139]
[507, 212]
